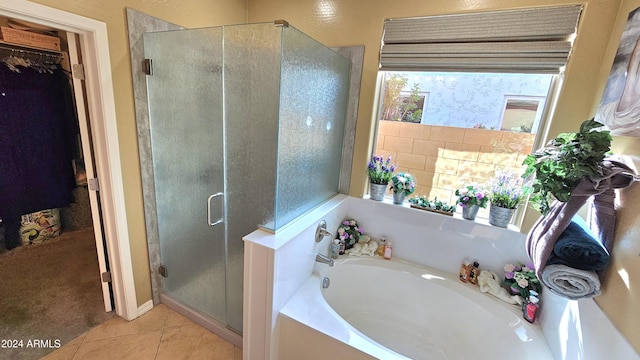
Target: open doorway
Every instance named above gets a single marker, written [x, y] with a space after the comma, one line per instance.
[51, 240]
[92, 42]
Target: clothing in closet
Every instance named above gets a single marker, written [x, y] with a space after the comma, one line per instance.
[38, 130]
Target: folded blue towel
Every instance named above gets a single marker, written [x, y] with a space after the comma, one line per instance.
[578, 248]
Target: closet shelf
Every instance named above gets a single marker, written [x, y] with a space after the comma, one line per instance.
[27, 52]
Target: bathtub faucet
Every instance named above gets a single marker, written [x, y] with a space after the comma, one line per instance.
[324, 259]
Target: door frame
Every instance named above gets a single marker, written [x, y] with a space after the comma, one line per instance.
[94, 46]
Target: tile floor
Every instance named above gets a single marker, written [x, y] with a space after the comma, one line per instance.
[159, 334]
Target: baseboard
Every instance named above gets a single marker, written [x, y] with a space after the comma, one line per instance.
[145, 307]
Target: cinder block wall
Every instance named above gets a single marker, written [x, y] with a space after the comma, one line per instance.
[444, 158]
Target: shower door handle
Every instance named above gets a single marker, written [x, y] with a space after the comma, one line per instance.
[209, 221]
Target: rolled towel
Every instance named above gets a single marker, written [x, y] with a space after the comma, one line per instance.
[571, 283]
[578, 248]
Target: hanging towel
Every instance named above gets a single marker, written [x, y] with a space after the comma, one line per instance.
[544, 234]
[578, 248]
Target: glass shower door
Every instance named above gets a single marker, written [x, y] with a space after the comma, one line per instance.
[187, 142]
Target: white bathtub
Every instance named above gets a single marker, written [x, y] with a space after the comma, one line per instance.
[398, 310]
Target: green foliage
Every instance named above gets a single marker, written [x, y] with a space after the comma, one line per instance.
[409, 106]
[434, 204]
[396, 106]
[558, 167]
[393, 86]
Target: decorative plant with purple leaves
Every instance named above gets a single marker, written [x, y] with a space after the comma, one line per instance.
[403, 182]
[507, 189]
[473, 194]
[520, 279]
[349, 232]
[380, 170]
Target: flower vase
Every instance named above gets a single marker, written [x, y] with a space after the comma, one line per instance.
[376, 191]
[499, 216]
[398, 197]
[469, 212]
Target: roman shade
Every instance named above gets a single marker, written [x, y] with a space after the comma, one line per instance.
[532, 40]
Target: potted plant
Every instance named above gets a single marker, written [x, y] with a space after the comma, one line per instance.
[402, 184]
[471, 198]
[507, 192]
[521, 279]
[349, 232]
[380, 172]
[556, 168]
[435, 205]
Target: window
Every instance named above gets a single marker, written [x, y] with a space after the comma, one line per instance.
[470, 125]
[463, 95]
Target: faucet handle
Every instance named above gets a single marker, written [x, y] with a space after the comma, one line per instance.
[321, 231]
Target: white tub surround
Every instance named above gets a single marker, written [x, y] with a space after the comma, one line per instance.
[275, 267]
[278, 265]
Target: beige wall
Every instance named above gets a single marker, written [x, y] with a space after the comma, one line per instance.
[187, 13]
[621, 295]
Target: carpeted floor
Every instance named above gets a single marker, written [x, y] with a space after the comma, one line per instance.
[49, 292]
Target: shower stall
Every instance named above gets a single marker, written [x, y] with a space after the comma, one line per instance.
[246, 128]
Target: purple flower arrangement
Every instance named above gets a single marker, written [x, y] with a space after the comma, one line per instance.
[349, 232]
[507, 189]
[380, 170]
[473, 194]
[520, 279]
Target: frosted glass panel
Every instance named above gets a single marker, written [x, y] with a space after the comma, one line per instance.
[314, 88]
[252, 74]
[185, 116]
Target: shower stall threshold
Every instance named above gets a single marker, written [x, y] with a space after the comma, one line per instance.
[208, 323]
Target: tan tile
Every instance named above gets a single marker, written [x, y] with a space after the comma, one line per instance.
[193, 342]
[77, 341]
[174, 319]
[139, 346]
[66, 352]
[237, 353]
[152, 320]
